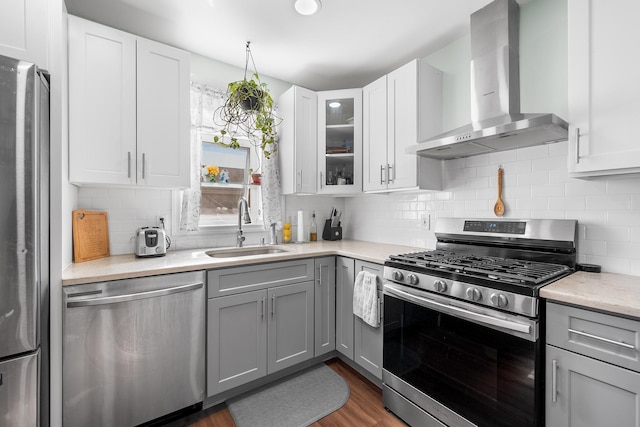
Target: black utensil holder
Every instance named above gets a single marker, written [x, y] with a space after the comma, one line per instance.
[331, 233]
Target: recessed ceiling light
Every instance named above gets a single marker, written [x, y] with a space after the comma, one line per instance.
[334, 104]
[307, 7]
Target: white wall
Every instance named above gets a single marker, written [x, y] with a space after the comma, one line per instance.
[63, 198]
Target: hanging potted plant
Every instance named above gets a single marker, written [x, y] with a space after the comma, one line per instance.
[248, 113]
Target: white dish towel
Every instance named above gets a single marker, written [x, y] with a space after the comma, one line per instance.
[365, 298]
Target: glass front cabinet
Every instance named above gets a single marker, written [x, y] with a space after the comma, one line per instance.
[340, 141]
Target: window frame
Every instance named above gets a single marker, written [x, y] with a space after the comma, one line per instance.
[205, 134]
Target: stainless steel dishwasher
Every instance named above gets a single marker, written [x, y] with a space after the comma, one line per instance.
[134, 349]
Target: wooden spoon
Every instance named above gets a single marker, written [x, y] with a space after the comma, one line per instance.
[498, 208]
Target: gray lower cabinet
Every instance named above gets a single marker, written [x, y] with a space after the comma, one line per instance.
[290, 326]
[345, 274]
[592, 376]
[236, 340]
[367, 339]
[354, 338]
[251, 334]
[325, 305]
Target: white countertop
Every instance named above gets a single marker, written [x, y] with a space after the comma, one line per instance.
[614, 293]
[129, 266]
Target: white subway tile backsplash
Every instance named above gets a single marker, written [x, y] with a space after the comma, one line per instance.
[578, 187]
[480, 182]
[547, 190]
[533, 178]
[549, 163]
[629, 250]
[609, 233]
[480, 160]
[609, 202]
[623, 185]
[532, 204]
[593, 247]
[626, 218]
[503, 157]
[477, 205]
[539, 152]
[575, 203]
[609, 264]
[588, 217]
[536, 185]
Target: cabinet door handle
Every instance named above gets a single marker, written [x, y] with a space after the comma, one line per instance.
[389, 168]
[262, 307]
[144, 160]
[273, 306]
[577, 145]
[321, 182]
[602, 339]
[129, 164]
[319, 274]
[300, 180]
[381, 174]
[554, 381]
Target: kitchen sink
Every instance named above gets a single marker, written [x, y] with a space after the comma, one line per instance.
[243, 252]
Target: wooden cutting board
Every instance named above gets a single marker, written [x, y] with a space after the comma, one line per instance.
[90, 235]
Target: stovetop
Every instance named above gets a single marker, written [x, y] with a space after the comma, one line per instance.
[505, 270]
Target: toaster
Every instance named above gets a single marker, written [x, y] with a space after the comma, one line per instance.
[150, 241]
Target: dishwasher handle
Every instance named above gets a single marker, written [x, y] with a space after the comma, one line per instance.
[135, 296]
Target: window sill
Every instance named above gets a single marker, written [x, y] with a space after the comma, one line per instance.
[227, 185]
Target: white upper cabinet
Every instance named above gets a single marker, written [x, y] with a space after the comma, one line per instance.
[340, 141]
[298, 137]
[375, 167]
[163, 115]
[399, 110]
[604, 92]
[24, 30]
[102, 104]
[128, 109]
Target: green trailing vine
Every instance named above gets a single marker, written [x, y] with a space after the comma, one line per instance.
[248, 112]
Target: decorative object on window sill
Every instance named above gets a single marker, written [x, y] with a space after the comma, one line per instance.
[256, 178]
[210, 173]
[248, 112]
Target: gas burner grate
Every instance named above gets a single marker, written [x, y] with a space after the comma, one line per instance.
[501, 269]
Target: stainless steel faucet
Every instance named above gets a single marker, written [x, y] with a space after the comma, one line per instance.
[247, 220]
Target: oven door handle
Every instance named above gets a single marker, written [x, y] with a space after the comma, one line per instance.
[460, 312]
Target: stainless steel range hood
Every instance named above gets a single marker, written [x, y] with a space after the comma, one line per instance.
[497, 123]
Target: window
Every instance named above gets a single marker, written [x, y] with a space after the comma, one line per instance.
[224, 178]
[221, 191]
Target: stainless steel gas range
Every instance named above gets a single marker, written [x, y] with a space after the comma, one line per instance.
[463, 324]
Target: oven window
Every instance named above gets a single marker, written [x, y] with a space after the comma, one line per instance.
[486, 376]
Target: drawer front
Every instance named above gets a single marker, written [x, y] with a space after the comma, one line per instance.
[605, 337]
[229, 281]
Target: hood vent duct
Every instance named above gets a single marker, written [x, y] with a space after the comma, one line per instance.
[497, 123]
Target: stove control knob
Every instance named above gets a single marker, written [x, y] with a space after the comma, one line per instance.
[474, 294]
[499, 300]
[397, 275]
[413, 279]
[440, 286]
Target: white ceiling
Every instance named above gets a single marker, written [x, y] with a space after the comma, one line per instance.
[349, 43]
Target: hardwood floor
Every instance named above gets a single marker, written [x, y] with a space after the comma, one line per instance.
[364, 407]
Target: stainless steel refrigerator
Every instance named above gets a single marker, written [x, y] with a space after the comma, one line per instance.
[24, 242]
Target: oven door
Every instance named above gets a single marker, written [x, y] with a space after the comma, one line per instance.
[463, 364]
